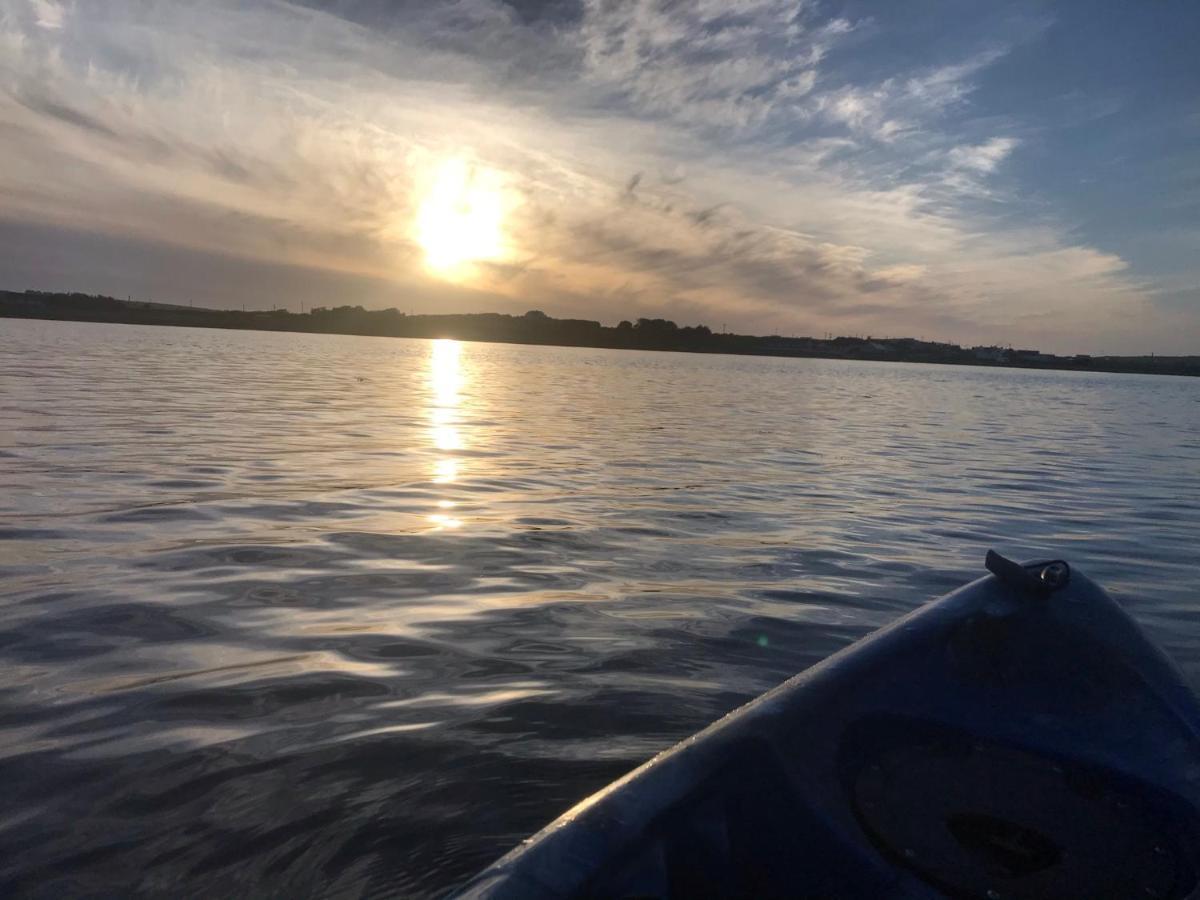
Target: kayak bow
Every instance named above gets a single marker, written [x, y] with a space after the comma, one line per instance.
[1017, 738]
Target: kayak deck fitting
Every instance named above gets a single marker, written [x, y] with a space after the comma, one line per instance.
[1018, 738]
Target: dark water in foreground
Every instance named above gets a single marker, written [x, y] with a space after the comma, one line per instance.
[300, 615]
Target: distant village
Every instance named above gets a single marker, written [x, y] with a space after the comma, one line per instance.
[991, 354]
[535, 327]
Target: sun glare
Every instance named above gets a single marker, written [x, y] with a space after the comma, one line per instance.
[461, 219]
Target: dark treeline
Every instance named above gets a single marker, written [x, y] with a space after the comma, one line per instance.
[536, 327]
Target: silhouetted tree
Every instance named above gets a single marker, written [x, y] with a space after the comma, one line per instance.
[656, 325]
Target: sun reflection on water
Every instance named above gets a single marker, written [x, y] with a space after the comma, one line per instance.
[445, 375]
[445, 384]
[445, 471]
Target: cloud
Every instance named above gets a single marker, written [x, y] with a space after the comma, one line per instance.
[944, 86]
[772, 191]
[48, 13]
[713, 64]
[896, 106]
[982, 157]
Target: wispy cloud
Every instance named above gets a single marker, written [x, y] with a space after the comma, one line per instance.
[899, 106]
[707, 63]
[982, 157]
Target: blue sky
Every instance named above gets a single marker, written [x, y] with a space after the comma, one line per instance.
[1019, 172]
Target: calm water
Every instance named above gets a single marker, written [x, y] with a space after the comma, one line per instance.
[296, 614]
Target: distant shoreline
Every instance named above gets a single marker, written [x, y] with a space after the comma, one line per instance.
[536, 328]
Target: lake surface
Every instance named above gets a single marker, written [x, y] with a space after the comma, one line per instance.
[300, 615]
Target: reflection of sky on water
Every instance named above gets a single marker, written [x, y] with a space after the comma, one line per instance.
[445, 383]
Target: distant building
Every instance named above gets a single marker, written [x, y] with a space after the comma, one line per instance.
[990, 354]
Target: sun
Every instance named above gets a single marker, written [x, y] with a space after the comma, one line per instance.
[461, 219]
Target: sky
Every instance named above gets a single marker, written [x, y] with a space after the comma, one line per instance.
[1019, 172]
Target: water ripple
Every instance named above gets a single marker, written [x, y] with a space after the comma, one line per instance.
[307, 615]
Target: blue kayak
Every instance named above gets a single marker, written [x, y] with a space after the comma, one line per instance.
[1017, 738]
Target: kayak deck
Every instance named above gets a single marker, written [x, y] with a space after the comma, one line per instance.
[1018, 738]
